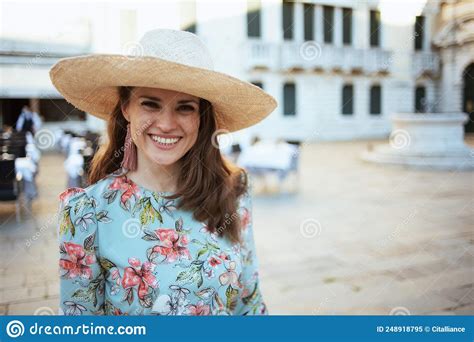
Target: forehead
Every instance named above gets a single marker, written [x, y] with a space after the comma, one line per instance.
[164, 94]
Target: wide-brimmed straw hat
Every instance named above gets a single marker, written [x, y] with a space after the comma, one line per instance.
[167, 59]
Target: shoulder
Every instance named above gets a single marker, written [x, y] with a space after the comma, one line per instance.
[241, 181]
[244, 187]
[245, 200]
[75, 194]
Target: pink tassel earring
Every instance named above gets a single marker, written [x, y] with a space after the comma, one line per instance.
[130, 152]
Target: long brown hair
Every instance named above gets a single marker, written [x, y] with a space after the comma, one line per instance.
[208, 185]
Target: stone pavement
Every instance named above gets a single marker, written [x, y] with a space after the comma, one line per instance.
[357, 239]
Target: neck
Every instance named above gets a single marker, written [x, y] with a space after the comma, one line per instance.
[149, 174]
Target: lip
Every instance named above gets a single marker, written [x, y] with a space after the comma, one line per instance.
[165, 147]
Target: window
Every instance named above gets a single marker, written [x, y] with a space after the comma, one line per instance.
[188, 16]
[328, 18]
[258, 84]
[374, 28]
[420, 99]
[308, 22]
[419, 31]
[191, 28]
[347, 26]
[289, 99]
[375, 100]
[253, 18]
[287, 20]
[348, 99]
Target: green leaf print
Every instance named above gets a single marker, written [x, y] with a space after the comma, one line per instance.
[128, 296]
[207, 247]
[106, 264]
[179, 225]
[192, 275]
[231, 295]
[110, 195]
[83, 295]
[101, 216]
[148, 213]
[156, 197]
[149, 236]
[89, 294]
[83, 203]
[89, 243]
[147, 301]
[201, 252]
[251, 296]
[66, 222]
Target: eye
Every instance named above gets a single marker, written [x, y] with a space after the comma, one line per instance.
[150, 104]
[186, 108]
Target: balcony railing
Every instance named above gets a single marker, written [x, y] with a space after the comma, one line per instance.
[261, 55]
[425, 63]
[310, 55]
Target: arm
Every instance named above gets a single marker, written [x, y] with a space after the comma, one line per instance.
[19, 122]
[37, 121]
[251, 301]
[81, 277]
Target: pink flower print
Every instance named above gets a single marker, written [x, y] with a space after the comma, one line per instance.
[126, 186]
[200, 309]
[78, 263]
[141, 275]
[173, 245]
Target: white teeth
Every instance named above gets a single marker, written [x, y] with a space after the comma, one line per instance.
[164, 140]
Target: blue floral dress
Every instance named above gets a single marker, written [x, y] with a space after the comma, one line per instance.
[127, 250]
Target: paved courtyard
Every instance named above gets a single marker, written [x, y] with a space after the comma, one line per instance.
[357, 239]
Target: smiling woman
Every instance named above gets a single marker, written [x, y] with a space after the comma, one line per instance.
[165, 228]
[190, 167]
[168, 120]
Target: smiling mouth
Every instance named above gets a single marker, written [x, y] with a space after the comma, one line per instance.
[165, 142]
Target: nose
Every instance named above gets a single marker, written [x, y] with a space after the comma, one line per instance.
[166, 120]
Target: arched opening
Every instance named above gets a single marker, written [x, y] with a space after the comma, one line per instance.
[468, 97]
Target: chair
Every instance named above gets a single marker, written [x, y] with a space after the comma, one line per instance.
[13, 143]
[10, 186]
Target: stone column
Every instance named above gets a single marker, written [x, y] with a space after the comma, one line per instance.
[337, 26]
[298, 22]
[319, 24]
[427, 32]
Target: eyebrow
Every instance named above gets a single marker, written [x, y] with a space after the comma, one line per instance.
[157, 99]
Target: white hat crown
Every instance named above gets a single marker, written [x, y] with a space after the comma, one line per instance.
[176, 46]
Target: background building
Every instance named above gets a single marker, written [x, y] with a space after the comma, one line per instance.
[338, 69]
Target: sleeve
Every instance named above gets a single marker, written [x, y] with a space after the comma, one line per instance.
[251, 301]
[19, 123]
[81, 277]
[37, 121]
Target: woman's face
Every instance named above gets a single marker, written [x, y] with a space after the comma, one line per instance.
[164, 123]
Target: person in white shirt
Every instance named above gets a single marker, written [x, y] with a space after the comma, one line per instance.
[28, 121]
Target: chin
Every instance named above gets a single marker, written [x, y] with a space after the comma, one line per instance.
[164, 161]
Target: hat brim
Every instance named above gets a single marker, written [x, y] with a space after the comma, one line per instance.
[90, 83]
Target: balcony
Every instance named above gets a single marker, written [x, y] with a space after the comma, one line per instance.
[377, 61]
[425, 63]
[261, 55]
[290, 55]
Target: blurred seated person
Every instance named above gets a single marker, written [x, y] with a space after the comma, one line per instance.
[28, 121]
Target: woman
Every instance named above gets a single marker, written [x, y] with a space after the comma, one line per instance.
[165, 228]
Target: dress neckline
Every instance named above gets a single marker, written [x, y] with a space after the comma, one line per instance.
[123, 173]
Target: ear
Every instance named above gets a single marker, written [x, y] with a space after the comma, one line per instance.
[124, 109]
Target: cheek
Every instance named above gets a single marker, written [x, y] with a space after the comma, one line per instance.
[191, 127]
[139, 128]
